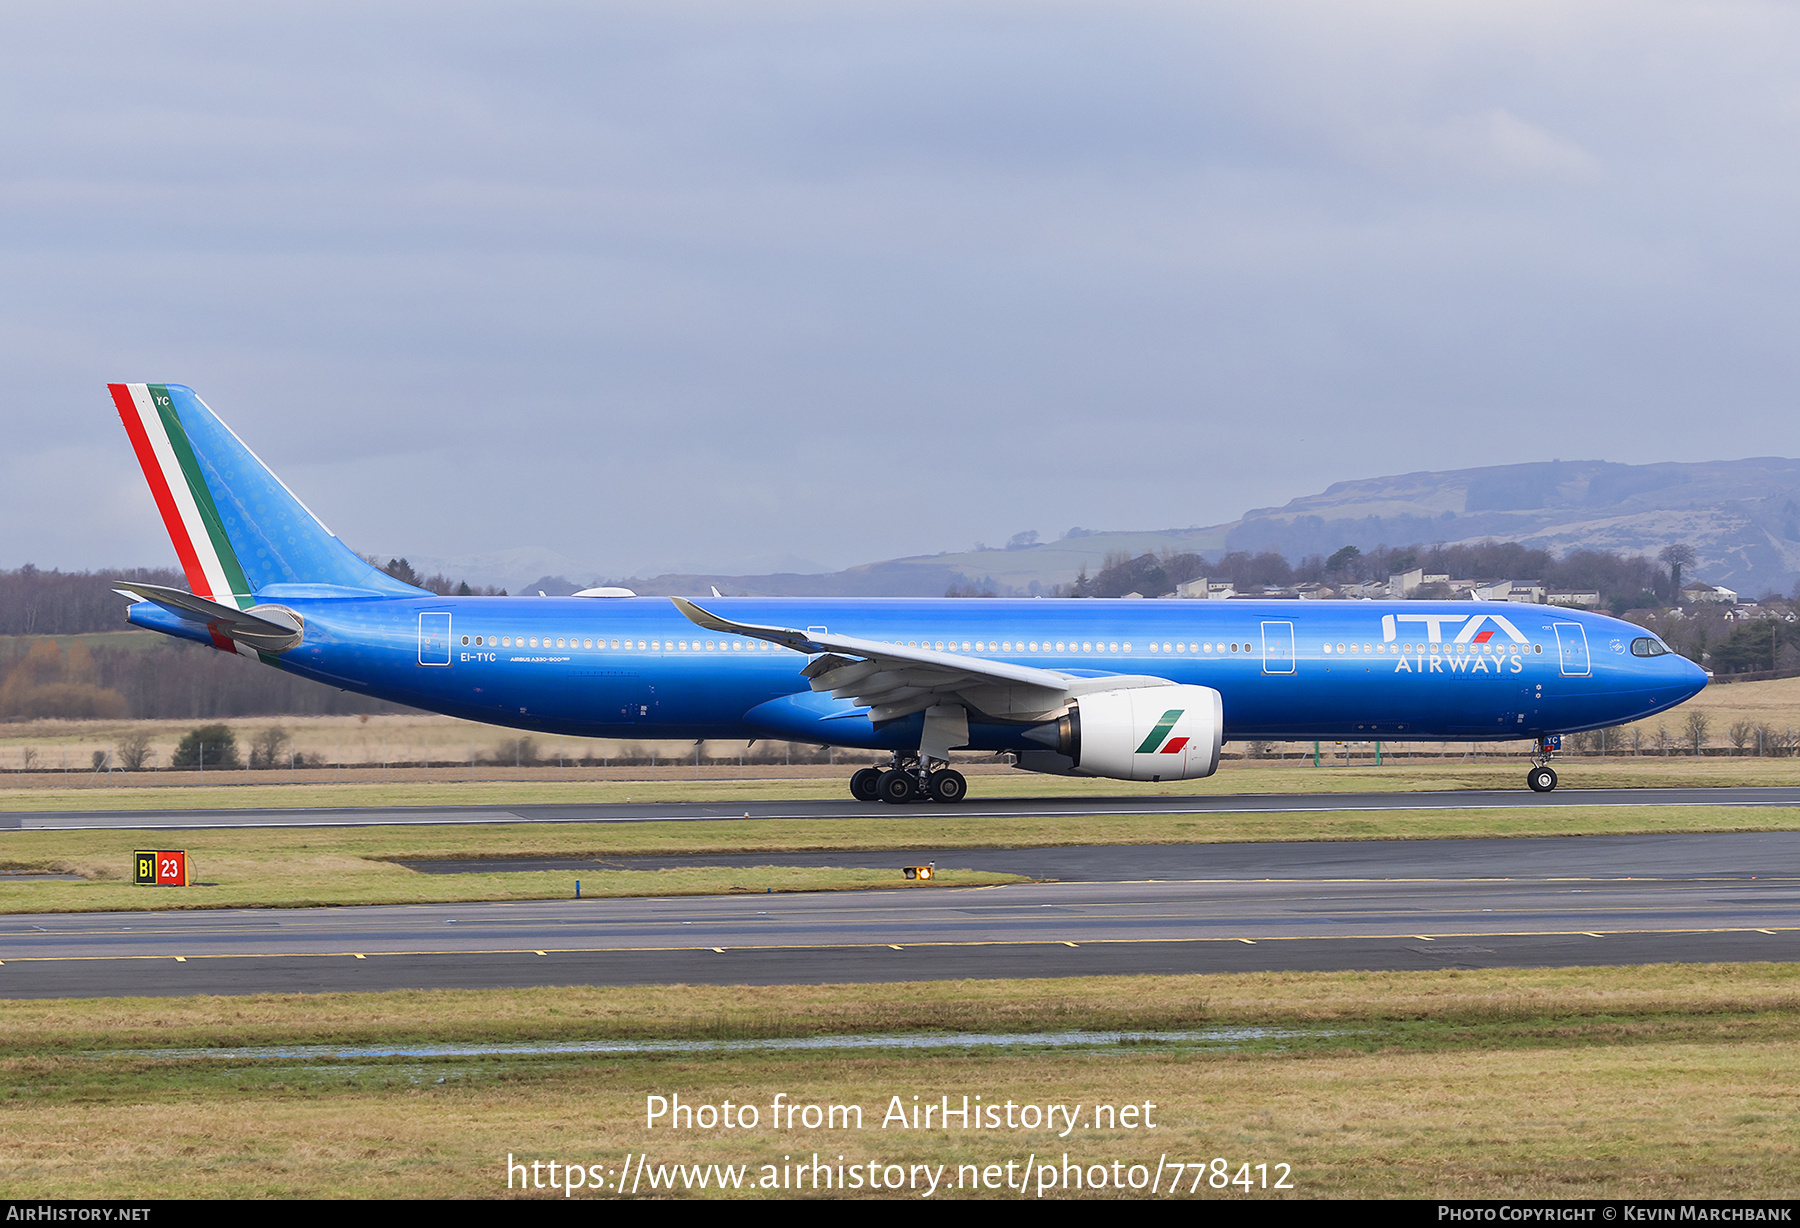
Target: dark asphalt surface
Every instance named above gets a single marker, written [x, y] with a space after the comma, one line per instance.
[975, 807]
[1197, 908]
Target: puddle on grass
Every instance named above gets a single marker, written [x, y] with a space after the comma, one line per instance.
[1210, 1037]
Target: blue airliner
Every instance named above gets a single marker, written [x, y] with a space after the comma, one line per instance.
[1129, 690]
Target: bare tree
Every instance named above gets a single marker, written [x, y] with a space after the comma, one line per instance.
[1677, 556]
[1695, 728]
[1741, 733]
[267, 747]
[134, 751]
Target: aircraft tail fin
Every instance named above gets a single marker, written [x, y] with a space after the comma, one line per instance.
[236, 528]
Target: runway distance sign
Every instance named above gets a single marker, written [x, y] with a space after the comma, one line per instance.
[161, 868]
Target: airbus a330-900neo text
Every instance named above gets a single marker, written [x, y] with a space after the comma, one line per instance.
[1130, 690]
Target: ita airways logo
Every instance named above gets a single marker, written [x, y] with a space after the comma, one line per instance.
[1468, 628]
[1154, 743]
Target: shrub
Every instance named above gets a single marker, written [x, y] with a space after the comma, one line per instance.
[216, 743]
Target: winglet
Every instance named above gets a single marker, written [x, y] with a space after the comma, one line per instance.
[787, 637]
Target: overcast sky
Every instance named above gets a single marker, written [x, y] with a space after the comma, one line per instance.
[669, 286]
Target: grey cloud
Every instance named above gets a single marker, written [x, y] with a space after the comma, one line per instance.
[641, 284]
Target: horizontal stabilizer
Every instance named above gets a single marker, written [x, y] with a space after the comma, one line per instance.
[270, 628]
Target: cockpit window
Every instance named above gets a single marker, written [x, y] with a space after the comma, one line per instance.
[1644, 646]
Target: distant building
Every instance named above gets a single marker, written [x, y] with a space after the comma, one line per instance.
[1587, 598]
[1405, 583]
[1701, 593]
[1202, 589]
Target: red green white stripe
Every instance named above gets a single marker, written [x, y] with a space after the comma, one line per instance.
[181, 494]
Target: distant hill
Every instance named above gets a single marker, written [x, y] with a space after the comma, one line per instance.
[1741, 517]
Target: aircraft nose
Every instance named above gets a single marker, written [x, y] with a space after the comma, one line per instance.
[1693, 677]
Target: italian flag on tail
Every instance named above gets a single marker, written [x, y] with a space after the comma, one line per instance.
[186, 505]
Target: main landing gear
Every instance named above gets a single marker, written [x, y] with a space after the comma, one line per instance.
[909, 780]
[1542, 777]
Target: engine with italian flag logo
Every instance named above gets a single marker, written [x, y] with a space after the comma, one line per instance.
[1145, 733]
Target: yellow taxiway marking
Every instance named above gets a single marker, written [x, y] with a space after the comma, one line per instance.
[854, 946]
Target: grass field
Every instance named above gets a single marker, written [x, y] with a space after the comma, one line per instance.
[1659, 1082]
[56, 753]
[1665, 1082]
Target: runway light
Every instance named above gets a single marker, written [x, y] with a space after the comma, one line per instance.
[922, 873]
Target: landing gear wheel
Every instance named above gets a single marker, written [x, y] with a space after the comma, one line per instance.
[863, 785]
[1541, 779]
[947, 787]
[894, 787]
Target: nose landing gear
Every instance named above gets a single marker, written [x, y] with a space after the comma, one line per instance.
[1542, 777]
[909, 780]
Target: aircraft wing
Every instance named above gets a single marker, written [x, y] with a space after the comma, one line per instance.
[893, 680]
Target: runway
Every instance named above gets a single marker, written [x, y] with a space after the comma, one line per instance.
[975, 807]
[1161, 909]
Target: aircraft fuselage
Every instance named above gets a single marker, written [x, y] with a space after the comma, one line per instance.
[1286, 670]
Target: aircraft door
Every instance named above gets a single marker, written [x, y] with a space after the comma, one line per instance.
[1278, 648]
[434, 639]
[1572, 650]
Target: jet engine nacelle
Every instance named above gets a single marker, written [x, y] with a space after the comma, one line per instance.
[1144, 733]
